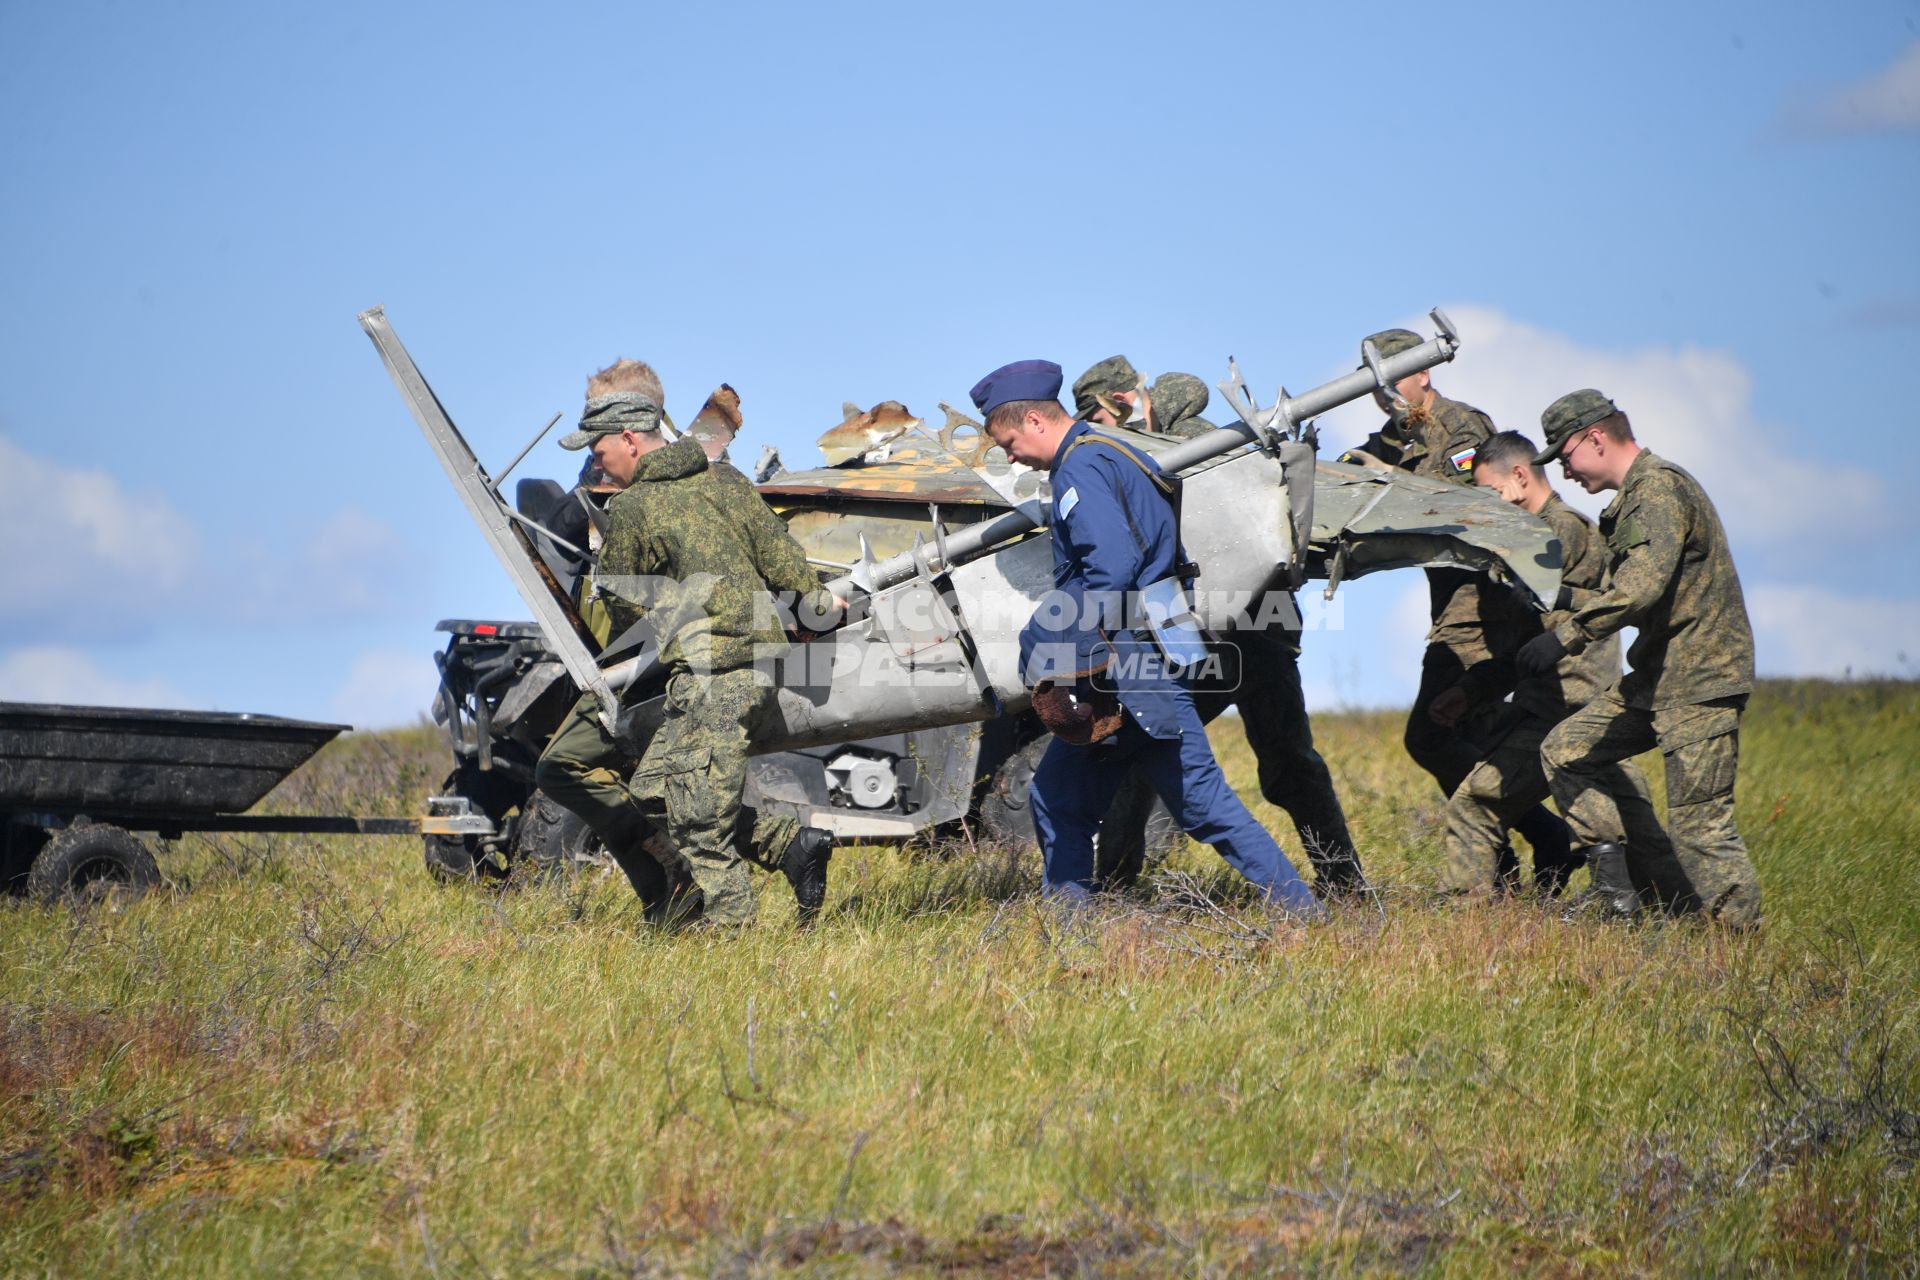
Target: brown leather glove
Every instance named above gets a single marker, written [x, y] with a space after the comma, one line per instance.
[1081, 716]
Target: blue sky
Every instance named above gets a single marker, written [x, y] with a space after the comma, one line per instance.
[211, 496]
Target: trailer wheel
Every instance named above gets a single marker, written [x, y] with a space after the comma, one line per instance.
[85, 860]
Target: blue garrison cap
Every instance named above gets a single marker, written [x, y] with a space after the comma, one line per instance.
[1021, 380]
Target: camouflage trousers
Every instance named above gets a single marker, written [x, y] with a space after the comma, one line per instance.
[1293, 776]
[1701, 747]
[585, 770]
[1511, 779]
[1447, 753]
[691, 779]
[1450, 754]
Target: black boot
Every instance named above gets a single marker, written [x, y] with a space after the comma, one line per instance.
[649, 882]
[805, 863]
[1552, 843]
[667, 893]
[1506, 868]
[1612, 892]
[1340, 880]
[1554, 862]
[1550, 876]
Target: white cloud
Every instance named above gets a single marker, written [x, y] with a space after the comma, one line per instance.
[87, 558]
[1364, 649]
[1411, 618]
[355, 563]
[1811, 631]
[385, 687]
[84, 554]
[352, 565]
[1888, 100]
[1694, 405]
[47, 673]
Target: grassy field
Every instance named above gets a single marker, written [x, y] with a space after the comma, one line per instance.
[304, 1058]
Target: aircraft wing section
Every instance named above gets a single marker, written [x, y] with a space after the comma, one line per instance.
[1366, 519]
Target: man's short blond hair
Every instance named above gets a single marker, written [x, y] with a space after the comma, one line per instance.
[1616, 427]
[626, 375]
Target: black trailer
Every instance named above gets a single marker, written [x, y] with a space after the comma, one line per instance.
[76, 783]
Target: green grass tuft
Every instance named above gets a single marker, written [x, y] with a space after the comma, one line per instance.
[304, 1057]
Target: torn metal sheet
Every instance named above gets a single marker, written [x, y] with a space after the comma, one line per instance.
[1372, 518]
[936, 641]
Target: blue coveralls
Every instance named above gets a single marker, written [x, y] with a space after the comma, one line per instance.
[1114, 533]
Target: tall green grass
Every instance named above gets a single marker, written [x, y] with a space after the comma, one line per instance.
[304, 1057]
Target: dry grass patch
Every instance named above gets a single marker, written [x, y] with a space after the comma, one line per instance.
[308, 1058]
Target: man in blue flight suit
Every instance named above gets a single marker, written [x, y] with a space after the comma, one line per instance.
[1096, 674]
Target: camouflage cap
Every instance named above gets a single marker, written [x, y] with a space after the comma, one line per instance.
[1572, 412]
[1114, 374]
[611, 414]
[1176, 397]
[1391, 342]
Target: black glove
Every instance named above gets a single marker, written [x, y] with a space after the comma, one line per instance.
[1539, 655]
[1563, 600]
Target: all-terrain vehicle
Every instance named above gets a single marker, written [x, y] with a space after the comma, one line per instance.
[503, 692]
[912, 714]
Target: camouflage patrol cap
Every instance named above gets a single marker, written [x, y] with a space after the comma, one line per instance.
[611, 414]
[1114, 374]
[1177, 397]
[1572, 412]
[1391, 342]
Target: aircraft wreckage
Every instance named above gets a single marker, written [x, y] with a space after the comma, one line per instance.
[943, 549]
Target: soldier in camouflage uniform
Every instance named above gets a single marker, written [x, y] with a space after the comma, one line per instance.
[694, 551]
[1673, 579]
[1112, 394]
[1273, 707]
[1509, 779]
[1432, 436]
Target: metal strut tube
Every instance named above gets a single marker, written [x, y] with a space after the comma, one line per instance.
[510, 545]
[977, 539]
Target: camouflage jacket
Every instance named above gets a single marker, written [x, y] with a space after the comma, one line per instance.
[1580, 677]
[1439, 443]
[1673, 579]
[693, 548]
